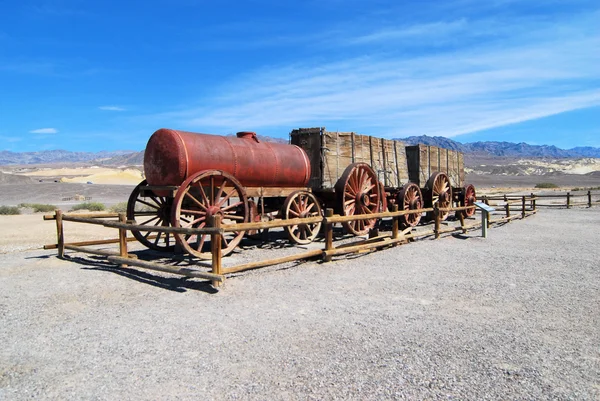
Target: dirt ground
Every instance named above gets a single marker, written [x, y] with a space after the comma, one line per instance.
[513, 316]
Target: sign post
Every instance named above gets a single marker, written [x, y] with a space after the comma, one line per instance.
[485, 215]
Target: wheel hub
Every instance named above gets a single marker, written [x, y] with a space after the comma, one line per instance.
[363, 199]
[443, 197]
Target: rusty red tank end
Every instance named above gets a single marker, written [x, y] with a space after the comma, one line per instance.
[172, 156]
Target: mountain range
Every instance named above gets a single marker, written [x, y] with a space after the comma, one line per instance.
[490, 148]
[504, 149]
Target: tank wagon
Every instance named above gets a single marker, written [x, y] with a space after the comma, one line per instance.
[191, 177]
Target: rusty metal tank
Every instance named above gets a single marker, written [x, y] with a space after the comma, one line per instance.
[172, 156]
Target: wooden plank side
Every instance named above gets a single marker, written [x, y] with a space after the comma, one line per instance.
[309, 139]
[361, 149]
[453, 167]
[461, 169]
[402, 169]
[329, 159]
[434, 159]
[377, 157]
[424, 166]
[444, 161]
[413, 163]
[344, 152]
[390, 163]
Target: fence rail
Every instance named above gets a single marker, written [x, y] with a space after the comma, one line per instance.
[591, 198]
[525, 206]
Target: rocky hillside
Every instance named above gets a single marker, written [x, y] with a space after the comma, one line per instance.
[504, 149]
[56, 156]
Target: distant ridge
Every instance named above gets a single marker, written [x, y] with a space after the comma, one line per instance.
[503, 149]
[57, 156]
[126, 157]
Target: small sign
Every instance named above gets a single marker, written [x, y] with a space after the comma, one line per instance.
[485, 207]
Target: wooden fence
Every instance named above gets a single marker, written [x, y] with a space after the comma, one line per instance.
[589, 199]
[526, 206]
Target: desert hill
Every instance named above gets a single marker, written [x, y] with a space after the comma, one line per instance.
[504, 149]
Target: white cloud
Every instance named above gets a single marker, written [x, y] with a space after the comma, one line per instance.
[44, 131]
[529, 70]
[112, 108]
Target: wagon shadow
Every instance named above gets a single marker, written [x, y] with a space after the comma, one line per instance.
[175, 284]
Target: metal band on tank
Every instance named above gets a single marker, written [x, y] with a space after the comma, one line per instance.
[235, 158]
[187, 161]
[308, 168]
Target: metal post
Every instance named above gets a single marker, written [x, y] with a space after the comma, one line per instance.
[589, 198]
[484, 223]
[568, 200]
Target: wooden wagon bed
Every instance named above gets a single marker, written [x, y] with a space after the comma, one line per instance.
[394, 163]
[331, 152]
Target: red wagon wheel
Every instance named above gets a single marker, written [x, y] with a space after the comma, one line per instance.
[301, 204]
[439, 192]
[410, 198]
[358, 193]
[203, 195]
[468, 198]
[148, 209]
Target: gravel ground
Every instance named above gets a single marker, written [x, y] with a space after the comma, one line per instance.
[513, 316]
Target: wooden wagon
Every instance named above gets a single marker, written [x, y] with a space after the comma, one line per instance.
[193, 177]
[358, 174]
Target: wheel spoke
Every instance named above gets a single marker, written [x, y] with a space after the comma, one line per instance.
[193, 212]
[220, 191]
[154, 206]
[226, 198]
[157, 238]
[196, 201]
[231, 206]
[234, 217]
[149, 220]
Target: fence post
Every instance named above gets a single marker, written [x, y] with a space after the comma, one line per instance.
[523, 210]
[486, 200]
[60, 239]
[215, 245]
[436, 213]
[328, 234]
[394, 222]
[507, 206]
[568, 200]
[532, 202]
[461, 216]
[123, 238]
[589, 198]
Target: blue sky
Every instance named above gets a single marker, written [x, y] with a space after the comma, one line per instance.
[103, 75]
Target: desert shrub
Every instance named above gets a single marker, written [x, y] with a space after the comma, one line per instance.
[546, 185]
[119, 207]
[39, 207]
[9, 210]
[91, 206]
